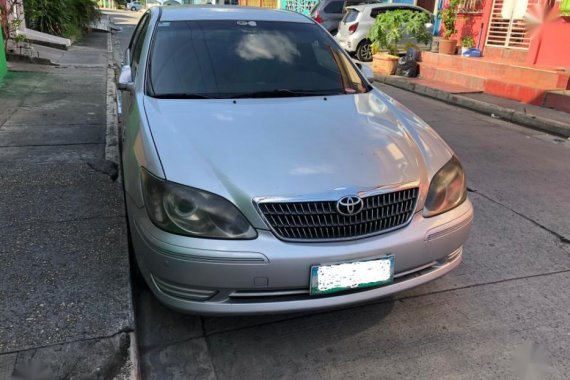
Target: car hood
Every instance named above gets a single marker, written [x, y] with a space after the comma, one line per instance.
[251, 148]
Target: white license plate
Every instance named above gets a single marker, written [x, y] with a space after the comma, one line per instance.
[358, 274]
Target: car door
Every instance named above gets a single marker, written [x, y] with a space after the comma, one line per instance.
[131, 109]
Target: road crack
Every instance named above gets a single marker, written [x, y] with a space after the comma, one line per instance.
[560, 237]
[106, 167]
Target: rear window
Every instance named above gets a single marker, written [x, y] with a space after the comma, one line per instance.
[350, 16]
[376, 11]
[335, 7]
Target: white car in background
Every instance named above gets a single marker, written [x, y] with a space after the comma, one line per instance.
[134, 6]
[358, 19]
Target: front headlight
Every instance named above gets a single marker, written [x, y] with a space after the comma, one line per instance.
[447, 190]
[187, 211]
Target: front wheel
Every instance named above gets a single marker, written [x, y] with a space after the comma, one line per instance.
[133, 9]
[364, 51]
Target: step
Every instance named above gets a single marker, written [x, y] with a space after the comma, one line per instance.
[515, 91]
[455, 77]
[558, 100]
[511, 56]
[483, 67]
[499, 87]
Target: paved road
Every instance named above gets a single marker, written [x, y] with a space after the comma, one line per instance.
[503, 313]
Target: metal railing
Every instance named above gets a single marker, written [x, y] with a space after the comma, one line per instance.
[506, 32]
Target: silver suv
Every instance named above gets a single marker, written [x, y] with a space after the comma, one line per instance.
[353, 29]
[328, 13]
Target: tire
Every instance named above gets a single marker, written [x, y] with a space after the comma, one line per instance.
[137, 278]
[133, 9]
[364, 51]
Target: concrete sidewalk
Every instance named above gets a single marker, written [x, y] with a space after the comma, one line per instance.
[535, 117]
[65, 295]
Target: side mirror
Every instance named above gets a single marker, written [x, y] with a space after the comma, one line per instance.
[367, 72]
[126, 79]
[429, 26]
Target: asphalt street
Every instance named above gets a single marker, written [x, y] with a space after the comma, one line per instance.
[504, 313]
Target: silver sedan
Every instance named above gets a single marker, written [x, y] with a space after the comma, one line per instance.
[265, 174]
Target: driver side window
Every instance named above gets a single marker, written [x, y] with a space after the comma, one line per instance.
[137, 44]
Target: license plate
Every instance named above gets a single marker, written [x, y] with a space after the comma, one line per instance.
[333, 278]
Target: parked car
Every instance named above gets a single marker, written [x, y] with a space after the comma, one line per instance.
[153, 3]
[134, 6]
[357, 21]
[330, 12]
[263, 172]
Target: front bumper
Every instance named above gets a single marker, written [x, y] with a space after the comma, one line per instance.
[266, 275]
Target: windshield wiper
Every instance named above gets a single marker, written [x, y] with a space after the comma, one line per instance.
[182, 95]
[286, 93]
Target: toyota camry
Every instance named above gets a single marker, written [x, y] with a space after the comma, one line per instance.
[264, 173]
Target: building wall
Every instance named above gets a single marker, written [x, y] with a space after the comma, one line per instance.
[550, 46]
[272, 4]
[471, 21]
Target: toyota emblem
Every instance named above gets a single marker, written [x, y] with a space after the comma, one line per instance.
[349, 205]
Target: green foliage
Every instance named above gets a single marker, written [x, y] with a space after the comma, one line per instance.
[448, 17]
[468, 42]
[565, 8]
[390, 27]
[65, 18]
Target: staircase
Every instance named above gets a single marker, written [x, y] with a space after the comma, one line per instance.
[510, 80]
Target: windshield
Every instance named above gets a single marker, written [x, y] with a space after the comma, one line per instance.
[241, 59]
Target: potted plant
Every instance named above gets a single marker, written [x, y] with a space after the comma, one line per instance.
[448, 17]
[467, 42]
[387, 32]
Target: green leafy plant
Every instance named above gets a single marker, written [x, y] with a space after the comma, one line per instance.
[565, 8]
[84, 12]
[448, 17]
[65, 18]
[391, 26]
[468, 42]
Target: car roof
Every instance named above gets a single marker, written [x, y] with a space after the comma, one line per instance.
[211, 12]
[362, 7]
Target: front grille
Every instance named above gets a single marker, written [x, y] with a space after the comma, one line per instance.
[320, 220]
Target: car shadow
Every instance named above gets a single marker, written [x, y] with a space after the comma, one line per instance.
[157, 325]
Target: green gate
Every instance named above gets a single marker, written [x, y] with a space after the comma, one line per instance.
[3, 67]
[299, 6]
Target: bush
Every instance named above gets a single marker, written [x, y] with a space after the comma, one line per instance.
[390, 27]
[64, 18]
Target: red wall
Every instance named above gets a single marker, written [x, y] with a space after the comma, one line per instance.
[551, 45]
[470, 23]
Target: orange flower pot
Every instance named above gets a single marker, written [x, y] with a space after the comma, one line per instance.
[447, 47]
[384, 64]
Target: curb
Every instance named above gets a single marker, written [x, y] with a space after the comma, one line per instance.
[528, 120]
[112, 131]
[112, 154]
